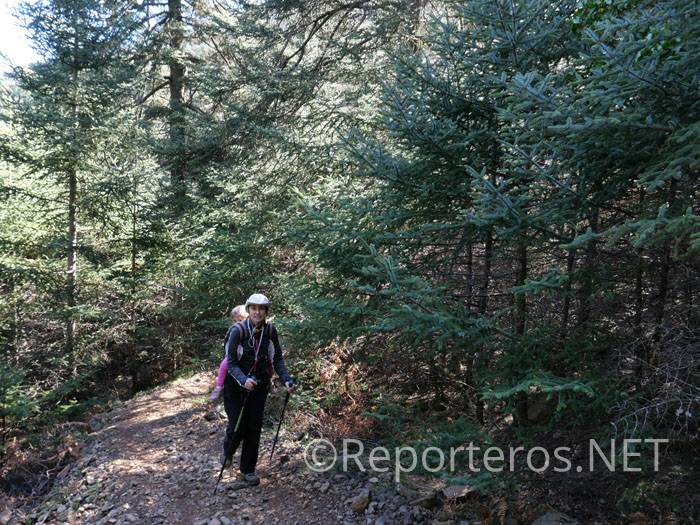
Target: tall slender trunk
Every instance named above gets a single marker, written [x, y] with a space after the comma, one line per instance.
[72, 266]
[665, 263]
[519, 300]
[486, 276]
[72, 261]
[177, 124]
[639, 282]
[587, 286]
[13, 283]
[176, 83]
[470, 277]
[570, 258]
[435, 382]
[688, 289]
[417, 7]
[133, 365]
[519, 325]
[481, 311]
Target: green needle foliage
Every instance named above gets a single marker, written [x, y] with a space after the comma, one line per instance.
[462, 206]
[513, 218]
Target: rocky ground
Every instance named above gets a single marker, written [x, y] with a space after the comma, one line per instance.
[154, 460]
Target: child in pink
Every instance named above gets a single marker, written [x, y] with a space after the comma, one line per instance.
[237, 314]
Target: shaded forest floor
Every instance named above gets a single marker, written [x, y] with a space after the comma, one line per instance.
[154, 460]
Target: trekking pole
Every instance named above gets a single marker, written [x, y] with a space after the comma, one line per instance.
[230, 452]
[284, 407]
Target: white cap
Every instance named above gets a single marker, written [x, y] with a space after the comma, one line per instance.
[257, 298]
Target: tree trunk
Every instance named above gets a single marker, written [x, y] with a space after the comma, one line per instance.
[519, 325]
[176, 82]
[435, 383]
[639, 281]
[587, 286]
[72, 266]
[483, 305]
[570, 258]
[486, 276]
[519, 300]
[664, 272]
[417, 7]
[639, 293]
[14, 323]
[134, 358]
[470, 277]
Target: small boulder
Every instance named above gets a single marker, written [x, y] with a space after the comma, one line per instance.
[96, 423]
[429, 501]
[458, 493]
[237, 485]
[406, 492]
[361, 501]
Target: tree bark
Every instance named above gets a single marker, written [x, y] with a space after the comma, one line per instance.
[665, 263]
[519, 328]
[585, 307]
[519, 300]
[470, 277]
[417, 7]
[570, 258]
[133, 366]
[72, 265]
[176, 83]
[483, 305]
[486, 276]
[639, 282]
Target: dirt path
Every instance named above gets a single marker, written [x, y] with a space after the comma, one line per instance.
[156, 461]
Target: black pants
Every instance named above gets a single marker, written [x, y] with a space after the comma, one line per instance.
[251, 421]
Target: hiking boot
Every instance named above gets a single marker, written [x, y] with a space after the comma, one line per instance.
[216, 394]
[251, 479]
[225, 460]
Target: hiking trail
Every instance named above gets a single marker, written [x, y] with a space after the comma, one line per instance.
[156, 461]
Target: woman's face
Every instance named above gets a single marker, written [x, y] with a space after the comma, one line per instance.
[257, 313]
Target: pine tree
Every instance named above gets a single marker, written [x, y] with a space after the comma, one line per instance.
[511, 144]
[67, 116]
[71, 99]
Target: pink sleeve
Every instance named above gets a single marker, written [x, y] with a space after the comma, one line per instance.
[222, 373]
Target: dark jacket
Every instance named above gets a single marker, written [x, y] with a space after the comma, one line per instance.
[242, 368]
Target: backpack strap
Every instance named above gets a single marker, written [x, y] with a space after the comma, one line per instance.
[270, 351]
[242, 332]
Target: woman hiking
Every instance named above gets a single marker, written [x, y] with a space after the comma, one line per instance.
[253, 352]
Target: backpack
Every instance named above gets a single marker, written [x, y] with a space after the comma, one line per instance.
[241, 327]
